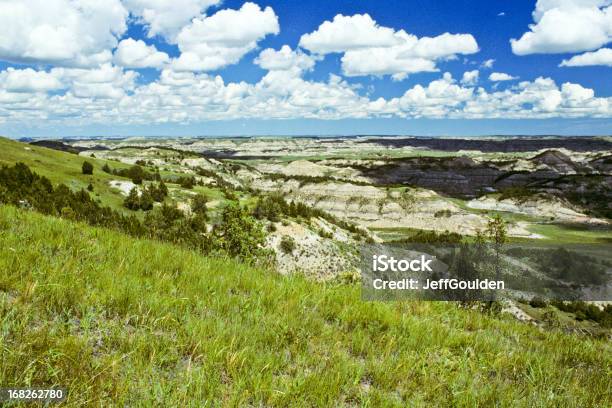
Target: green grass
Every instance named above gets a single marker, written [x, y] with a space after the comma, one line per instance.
[127, 322]
[62, 167]
[572, 233]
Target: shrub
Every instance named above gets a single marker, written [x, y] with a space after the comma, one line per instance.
[537, 302]
[274, 205]
[132, 201]
[159, 192]
[442, 213]
[287, 244]
[198, 205]
[239, 234]
[433, 237]
[87, 168]
[586, 311]
[271, 208]
[162, 188]
[146, 201]
[230, 195]
[186, 182]
[90, 187]
[325, 234]
[136, 174]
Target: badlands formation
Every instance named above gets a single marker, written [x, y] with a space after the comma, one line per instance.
[545, 188]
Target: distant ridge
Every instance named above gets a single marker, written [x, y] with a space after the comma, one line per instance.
[504, 145]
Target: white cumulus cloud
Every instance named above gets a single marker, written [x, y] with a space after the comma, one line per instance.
[370, 49]
[470, 77]
[167, 17]
[284, 59]
[106, 82]
[28, 80]
[501, 76]
[110, 94]
[346, 33]
[210, 43]
[566, 26]
[602, 56]
[61, 32]
[132, 53]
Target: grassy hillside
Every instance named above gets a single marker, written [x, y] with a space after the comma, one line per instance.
[62, 167]
[140, 323]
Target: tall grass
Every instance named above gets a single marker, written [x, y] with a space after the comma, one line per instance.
[128, 322]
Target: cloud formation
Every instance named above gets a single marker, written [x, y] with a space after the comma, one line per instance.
[111, 94]
[210, 43]
[60, 32]
[28, 81]
[562, 26]
[602, 56]
[284, 59]
[501, 76]
[86, 70]
[167, 17]
[370, 49]
[132, 53]
[470, 77]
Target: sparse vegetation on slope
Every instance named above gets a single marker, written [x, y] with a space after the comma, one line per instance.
[63, 167]
[237, 233]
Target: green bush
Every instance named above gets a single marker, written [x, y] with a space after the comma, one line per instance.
[146, 201]
[433, 237]
[132, 201]
[287, 244]
[186, 182]
[537, 302]
[273, 206]
[136, 173]
[198, 205]
[87, 168]
[159, 192]
[586, 311]
[442, 213]
[239, 234]
[325, 234]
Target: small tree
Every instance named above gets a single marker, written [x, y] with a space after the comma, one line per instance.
[159, 192]
[137, 174]
[239, 234]
[146, 201]
[497, 234]
[132, 201]
[106, 168]
[162, 188]
[187, 182]
[87, 167]
[198, 205]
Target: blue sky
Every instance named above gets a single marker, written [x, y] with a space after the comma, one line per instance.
[210, 67]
